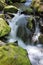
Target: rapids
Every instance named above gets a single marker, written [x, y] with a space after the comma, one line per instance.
[35, 53]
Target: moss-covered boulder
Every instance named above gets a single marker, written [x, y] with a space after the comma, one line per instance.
[35, 4]
[13, 55]
[11, 9]
[3, 1]
[13, 1]
[28, 11]
[31, 24]
[1, 6]
[19, 1]
[2, 16]
[40, 8]
[41, 38]
[4, 28]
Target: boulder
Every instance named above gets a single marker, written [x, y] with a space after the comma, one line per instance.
[13, 1]
[28, 11]
[13, 55]
[24, 34]
[11, 9]
[2, 16]
[1, 6]
[41, 38]
[4, 28]
[31, 24]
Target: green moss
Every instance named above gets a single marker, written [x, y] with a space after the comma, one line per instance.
[1, 6]
[22, 1]
[3, 1]
[2, 16]
[36, 4]
[30, 23]
[13, 55]
[4, 28]
[29, 10]
[11, 9]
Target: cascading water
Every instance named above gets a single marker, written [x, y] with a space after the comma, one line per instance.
[36, 34]
[35, 53]
[28, 2]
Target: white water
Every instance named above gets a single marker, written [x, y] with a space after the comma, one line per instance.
[35, 53]
[28, 2]
[36, 34]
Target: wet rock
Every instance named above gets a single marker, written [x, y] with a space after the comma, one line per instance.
[41, 25]
[13, 43]
[11, 54]
[4, 28]
[2, 16]
[1, 43]
[11, 9]
[13, 1]
[41, 29]
[27, 11]
[31, 24]
[1, 6]
[24, 34]
[19, 1]
[41, 38]
[37, 6]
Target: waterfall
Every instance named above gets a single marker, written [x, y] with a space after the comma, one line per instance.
[36, 33]
[28, 2]
[14, 23]
[35, 53]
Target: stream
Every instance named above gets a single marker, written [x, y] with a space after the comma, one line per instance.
[35, 52]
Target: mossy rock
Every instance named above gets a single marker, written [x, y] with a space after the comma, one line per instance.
[4, 28]
[13, 1]
[31, 24]
[13, 55]
[28, 11]
[2, 16]
[3, 1]
[36, 4]
[11, 9]
[1, 6]
[22, 1]
[41, 38]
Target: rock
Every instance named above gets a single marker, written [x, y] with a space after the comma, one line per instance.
[41, 7]
[41, 38]
[19, 1]
[31, 24]
[4, 28]
[27, 11]
[3, 1]
[41, 29]
[24, 34]
[1, 6]
[2, 16]
[13, 43]
[11, 9]
[37, 6]
[1, 43]
[13, 55]
[41, 25]
[13, 1]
